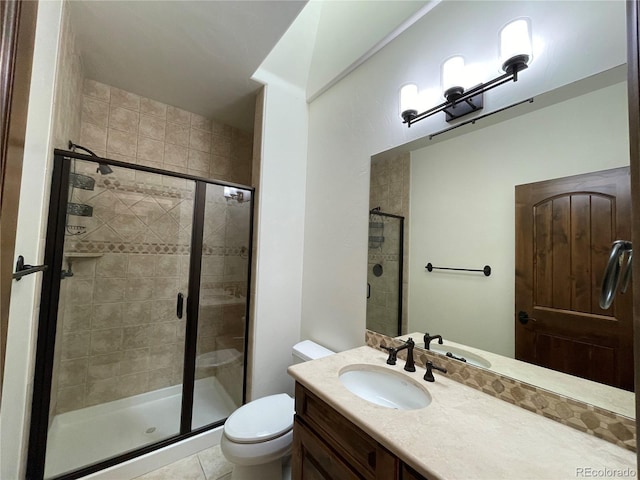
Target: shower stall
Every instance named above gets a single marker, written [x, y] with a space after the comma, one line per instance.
[142, 335]
[385, 273]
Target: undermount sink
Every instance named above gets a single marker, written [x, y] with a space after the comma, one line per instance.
[471, 358]
[384, 387]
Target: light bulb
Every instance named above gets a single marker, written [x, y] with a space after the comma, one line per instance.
[408, 98]
[515, 42]
[453, 73]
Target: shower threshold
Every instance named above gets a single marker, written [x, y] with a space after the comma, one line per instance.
[89, 435]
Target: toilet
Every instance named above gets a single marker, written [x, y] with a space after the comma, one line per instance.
[257, 437]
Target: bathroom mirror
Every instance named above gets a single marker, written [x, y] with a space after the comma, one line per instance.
[461, 214]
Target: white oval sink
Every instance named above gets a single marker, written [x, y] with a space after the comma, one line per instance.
[384, 387]
[471, 358]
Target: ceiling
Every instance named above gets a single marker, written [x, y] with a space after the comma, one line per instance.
[200, 55]
[196, 55]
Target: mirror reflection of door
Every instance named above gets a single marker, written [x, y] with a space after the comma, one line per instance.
[564, 231]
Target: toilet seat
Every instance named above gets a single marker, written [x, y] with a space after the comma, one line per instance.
[261, 420]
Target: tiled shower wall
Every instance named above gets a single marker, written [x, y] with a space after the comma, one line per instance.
[66, 124]
[120, 333]
[389, 190]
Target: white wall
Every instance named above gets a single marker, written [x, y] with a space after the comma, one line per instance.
[34, 195]
[276, 321]
[358, 117]
[463, 209]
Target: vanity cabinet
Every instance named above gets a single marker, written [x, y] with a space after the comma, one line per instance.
[327, 446]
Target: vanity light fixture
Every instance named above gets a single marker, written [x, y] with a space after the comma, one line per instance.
[515, 53]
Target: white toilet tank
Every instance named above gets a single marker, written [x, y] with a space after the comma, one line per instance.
[308, 350]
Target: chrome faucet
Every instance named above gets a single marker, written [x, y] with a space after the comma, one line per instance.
[393, 354]
[428, 338]
[428, 376]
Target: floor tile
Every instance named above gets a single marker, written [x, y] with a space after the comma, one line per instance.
[186, 469]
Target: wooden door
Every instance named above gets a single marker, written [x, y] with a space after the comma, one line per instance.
[564, 231]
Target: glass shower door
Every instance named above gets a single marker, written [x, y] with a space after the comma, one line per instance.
[223, 301]
[117, 373]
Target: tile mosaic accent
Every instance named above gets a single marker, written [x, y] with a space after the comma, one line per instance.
[589, 419]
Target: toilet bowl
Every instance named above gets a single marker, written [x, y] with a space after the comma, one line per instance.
[257, 437]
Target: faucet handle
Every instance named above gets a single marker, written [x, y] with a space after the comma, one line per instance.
[428, 376]
[393, 354]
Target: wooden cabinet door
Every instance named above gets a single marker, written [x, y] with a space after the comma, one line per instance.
[312, 459]
[410, 474]
[564, 232]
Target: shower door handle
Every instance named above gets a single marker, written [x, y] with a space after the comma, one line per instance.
[180, 305]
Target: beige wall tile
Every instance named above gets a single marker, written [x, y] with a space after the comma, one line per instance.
[134, 361]
[177, 134]
[167, 265]
[111, 265]
[163, 333]
[152, 107]
[102, 367]
[134, 384]
[162, 356]
[164, 310]
[70, 398]
[101, 391]
[160, 378]
[73, 372]
[80, 291]
[75, 345]
[106, 341]
[150, 149]
[199, 140]
[200, 122]
[221, 129]
[93, 137]
[106, 315]
[139, 288]
[221, 146]
[137, 313]
[76, 318]
[177, 115]
[152, 127]
[97, 90]
[136, 336]
[198, 160]
[220, 167]
[124, 119]
[95, 112]
[122, 98]
[141, 266]
[175, 155]
[124, 143]
[108, 290]
[165, 288]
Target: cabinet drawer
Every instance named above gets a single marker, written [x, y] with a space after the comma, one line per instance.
[358, 449]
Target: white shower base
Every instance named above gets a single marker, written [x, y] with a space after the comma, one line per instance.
[89, 435]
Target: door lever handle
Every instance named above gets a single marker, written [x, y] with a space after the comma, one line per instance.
[180, 305]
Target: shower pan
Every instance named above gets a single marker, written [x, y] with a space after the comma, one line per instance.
[143, 317]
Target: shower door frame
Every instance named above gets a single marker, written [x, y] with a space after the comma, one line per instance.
[48, 315]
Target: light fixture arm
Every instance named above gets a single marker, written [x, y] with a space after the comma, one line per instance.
[410, 116]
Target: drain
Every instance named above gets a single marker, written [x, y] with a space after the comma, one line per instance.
[150, 430]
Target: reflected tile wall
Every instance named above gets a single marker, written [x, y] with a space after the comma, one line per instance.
[389, 190]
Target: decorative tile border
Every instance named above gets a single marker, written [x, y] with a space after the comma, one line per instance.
[587, 418]
[144, 248]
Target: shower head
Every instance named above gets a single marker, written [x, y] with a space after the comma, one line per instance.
[104, 169]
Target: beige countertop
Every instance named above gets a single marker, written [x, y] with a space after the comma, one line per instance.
[463, 433]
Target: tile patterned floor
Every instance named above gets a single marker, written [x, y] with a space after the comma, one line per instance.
[208, 464]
